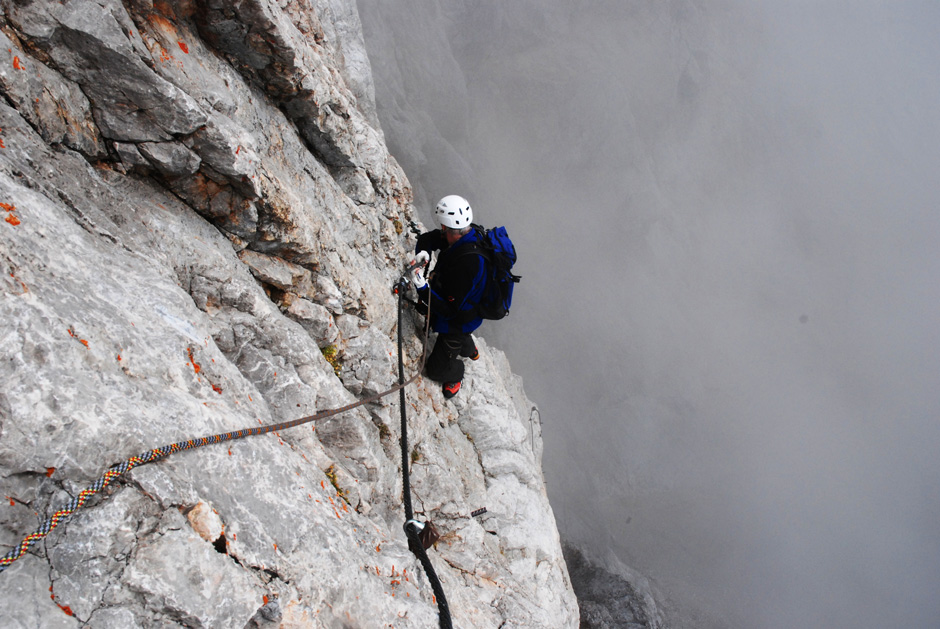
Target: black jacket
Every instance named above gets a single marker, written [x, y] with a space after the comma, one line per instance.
[456, 283]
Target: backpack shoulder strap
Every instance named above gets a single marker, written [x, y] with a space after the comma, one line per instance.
[478, 246]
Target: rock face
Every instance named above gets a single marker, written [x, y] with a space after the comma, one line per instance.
[609, 600]
[201, 225]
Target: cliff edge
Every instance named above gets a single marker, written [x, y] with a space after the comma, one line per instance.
[201, 226]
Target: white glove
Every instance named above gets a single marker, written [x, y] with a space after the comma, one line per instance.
[417, 278]
[417, 273]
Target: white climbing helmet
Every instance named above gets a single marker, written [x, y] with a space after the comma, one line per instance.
[454, 212]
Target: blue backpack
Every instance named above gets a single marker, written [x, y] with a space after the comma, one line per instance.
[496, 248]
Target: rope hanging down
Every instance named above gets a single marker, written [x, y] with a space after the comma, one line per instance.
[413, 527]
[117, 471]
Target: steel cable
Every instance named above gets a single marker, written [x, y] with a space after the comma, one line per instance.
[411, 529]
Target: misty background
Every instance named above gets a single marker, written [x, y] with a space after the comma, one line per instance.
[729, 233]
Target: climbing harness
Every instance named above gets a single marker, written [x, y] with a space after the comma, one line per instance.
[117, 471]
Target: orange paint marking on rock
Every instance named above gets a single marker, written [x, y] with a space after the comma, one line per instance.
[217, 389]
[22, 283]
[17, 65]
[50, 471]
[9, 207]
[83, 342]
[64, 608]
[183, 47]
[193, 362]
[12, 502]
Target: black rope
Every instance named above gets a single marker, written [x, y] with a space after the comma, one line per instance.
[411, 526]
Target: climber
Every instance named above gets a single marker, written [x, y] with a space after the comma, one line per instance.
[453, 290]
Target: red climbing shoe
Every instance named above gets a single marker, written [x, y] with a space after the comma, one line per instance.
[450, 389]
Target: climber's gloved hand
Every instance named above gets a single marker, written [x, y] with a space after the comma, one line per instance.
[417, 278]
[417, 269]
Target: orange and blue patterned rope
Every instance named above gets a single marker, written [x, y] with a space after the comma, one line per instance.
[156, 454]
[150, 456]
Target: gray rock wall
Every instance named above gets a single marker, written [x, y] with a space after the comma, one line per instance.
[197, 211]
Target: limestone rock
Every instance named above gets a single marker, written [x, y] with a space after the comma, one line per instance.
[206, 521]
[316, 319]
[195, 206]
[55, 106]
[170, 158]
[273, 270]
[608, 599]
[131, 157]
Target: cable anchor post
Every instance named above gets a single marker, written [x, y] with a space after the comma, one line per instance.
[421, 532]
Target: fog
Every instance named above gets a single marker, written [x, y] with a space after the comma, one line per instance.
[729, 232]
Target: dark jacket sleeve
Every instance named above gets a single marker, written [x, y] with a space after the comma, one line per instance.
[430, 241]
